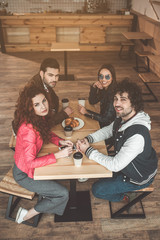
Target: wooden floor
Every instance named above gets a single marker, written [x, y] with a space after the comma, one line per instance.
[15, 70]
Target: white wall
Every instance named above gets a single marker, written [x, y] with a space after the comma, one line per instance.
[144, 7]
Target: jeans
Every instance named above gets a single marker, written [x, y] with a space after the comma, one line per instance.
[114, 189]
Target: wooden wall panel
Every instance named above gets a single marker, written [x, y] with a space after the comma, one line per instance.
[47, 47]
[149, 28]
[92, 35]
[157, 32]
[28, 47]
[156, 37]
[43, 29]
[66, 22]
[114, 34]
[42, 35]
[67, 34]
[17, 35]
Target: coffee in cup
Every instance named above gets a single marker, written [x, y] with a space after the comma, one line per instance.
[77, 157]
[68, 131]
[81, 101]
[65, 102]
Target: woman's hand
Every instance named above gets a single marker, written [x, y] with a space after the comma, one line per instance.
[82, 109]
[66, 143]
[64, 153]
[82, 145]
[98, 85]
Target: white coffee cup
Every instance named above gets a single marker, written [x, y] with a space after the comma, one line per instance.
[81, 101]
[77, 157]
[65, 102]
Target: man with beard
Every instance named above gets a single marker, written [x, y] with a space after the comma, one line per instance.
[134, 164]
[47, 79]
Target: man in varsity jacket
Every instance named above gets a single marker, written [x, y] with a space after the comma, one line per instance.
[134, 164]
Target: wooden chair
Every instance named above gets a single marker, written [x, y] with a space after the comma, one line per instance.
[142, 54]
[129, 45]
[9, 186]
[120, 213]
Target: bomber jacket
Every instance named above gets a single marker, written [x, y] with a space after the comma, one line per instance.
[107, 112]
[134, 156]
[28, 145]
[58, 117]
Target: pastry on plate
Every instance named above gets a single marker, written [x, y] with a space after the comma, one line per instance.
[72, 122]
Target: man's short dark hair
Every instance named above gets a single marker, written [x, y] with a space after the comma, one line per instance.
[134, 93]
[49, 62]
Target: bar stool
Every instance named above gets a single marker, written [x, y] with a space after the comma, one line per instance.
[143, 54]
[128, 44]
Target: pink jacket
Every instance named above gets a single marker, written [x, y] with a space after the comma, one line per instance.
[28, 145]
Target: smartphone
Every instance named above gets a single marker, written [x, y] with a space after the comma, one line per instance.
[74, 147]
[61, 148]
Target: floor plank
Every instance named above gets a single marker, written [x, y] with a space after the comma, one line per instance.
[15, 70]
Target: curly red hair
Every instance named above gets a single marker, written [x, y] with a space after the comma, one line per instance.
[25, 112]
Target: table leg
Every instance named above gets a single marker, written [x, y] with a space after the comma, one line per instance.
[65, 65]
[78, 207]
[3, 49]
[66, 76]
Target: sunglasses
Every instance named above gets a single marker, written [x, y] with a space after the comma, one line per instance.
[107, 77]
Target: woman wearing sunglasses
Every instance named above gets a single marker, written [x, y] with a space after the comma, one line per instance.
[102, 91]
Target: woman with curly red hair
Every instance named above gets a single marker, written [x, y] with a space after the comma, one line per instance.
[32, 124]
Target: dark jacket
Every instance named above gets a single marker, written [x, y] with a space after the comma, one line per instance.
[58, 117]
[144, 166]
[107, 112]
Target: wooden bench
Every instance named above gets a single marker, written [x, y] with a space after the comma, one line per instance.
[120, 213]
[125, 44]
[9, 186]
[142, 54]
[149, 77]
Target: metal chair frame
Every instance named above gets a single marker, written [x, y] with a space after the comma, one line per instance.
[119, 213]
[12, 205]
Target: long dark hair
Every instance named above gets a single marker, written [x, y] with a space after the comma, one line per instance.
[113, 84]
[25, 112]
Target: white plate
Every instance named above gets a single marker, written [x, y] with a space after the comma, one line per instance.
[81, 124]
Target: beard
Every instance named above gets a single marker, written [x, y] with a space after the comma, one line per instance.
[124, 114]
[50, 84]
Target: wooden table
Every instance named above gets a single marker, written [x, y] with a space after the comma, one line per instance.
[144, 37]
[79, 205]
[89, 168]
[65, 47]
